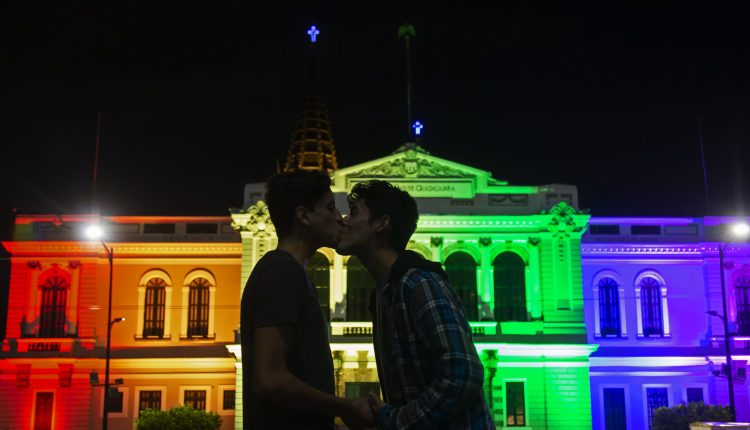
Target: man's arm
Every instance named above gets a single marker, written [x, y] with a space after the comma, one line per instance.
[443, 330]
[273, 382]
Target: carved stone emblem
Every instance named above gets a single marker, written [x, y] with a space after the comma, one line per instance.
[403, 166]
[259, 221]
[562, 222]
[411, 167]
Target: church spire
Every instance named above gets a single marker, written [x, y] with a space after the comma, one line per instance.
[312, 141]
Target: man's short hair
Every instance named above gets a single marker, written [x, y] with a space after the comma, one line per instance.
[286, 191]
[383, 198]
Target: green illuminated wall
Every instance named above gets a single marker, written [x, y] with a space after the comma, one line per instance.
[465, 210]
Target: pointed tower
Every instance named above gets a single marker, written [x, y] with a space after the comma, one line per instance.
[312, 141]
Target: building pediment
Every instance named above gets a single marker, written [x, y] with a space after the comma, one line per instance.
[411, 161]
[423, 175]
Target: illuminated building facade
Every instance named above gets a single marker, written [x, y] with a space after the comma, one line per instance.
[513, 254]
[648, 284]
[175, 283]
[581, 322]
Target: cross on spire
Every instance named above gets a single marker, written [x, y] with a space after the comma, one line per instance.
[417, 126]
[313, 32]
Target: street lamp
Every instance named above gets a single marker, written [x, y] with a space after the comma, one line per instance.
[739, 230]
[95, 232]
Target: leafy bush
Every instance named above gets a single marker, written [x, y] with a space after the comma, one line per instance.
[178, 418]
[679, 417]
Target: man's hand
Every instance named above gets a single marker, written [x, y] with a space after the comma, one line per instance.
[359, 414]
[375, 404]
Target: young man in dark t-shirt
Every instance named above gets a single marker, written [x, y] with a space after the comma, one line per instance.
[286, 359]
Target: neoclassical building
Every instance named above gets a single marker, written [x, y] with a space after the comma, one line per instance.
[174, 281]
[513, 255]
[580, 322]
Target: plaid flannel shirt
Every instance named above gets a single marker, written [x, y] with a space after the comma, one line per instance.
[429, 369]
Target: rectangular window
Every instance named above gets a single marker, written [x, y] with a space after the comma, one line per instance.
[115, 400]
[196, 399]
[52, 312]
[614, 409]
[228, 401]
[198, 312]
[645, 229]
[201, 228]
[604, 229]
[43, 411]
[656, 397]
[651, 311]
[158, 228]
[355, 390]
[694, 394]
[153, 312]
[743, 309]
[515, 404]
[149, 400]
[609, 309]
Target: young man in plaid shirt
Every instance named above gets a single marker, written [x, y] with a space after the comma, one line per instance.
[429, 370]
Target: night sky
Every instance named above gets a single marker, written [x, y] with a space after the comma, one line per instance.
[197, 101]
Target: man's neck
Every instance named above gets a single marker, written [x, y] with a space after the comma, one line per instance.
[300, 250]
[379, 263]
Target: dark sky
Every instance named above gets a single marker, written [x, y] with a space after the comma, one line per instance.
[198, 101]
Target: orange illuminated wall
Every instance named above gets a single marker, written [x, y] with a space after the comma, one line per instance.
[54, 349]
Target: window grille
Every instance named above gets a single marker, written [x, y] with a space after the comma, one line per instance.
[462, 271]
[510, 287]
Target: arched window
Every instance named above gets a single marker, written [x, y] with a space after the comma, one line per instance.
[510, 287]
[52, 312]
[198, 308]
[153, 312]
[609, 307]
[359, 285]
[742, 291]
[462, 271]
[318, 270]
[651, 315]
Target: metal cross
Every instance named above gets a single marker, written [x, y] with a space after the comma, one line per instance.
[313, 32]
[417, 128]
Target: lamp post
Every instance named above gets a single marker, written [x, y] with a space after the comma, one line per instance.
[95, 232]
[739, 230]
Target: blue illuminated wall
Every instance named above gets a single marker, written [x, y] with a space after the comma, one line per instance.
[647, 285]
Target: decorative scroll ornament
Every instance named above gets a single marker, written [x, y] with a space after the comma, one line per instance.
[410, 165]
[562, 222]
[258, 221]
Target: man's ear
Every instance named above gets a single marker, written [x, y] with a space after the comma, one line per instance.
[302, 215]
[382, 224]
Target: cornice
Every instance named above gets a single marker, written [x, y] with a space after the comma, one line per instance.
[595, 250]
[42, 248]
[680, 250]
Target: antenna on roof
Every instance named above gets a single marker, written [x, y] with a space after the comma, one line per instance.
[96, 161]
[407, 32]
[703, 164]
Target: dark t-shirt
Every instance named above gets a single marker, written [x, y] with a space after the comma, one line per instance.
[278, 292]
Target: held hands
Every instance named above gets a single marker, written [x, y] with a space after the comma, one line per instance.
[375, 404]
[359, 414]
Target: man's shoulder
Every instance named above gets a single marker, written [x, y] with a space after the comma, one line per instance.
[417, 274]
[278, 260]
[277, 268]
